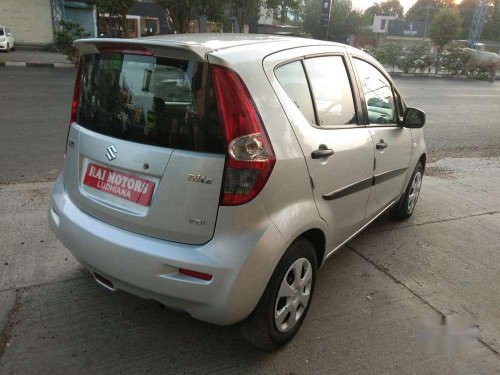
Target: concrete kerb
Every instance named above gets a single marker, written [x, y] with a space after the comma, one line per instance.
[20, 64]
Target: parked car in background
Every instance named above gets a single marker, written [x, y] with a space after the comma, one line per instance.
[217, 173]
[6, 39]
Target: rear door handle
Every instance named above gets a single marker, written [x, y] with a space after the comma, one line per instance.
[322, 152]
[381, 145]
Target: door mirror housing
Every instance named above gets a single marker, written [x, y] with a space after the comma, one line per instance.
[9, 34]
[413, 118]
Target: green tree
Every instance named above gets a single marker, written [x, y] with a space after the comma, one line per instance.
[446, 26]
[386, 8]
[66, 35]
[284, 7]
[117, 10]
[424, 10]
[180, 11]
[491, 30]
[344, 20]
[245, 8]
[311, 15]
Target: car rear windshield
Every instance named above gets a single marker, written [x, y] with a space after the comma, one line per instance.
[150, 100]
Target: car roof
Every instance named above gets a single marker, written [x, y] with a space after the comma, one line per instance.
[198, 45]
[218, 41]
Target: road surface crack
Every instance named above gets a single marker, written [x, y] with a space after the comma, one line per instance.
[434, 222]
[386, 272]
[9, 324]
[27, 287]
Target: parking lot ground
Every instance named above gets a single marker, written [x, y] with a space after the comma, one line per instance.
[388, 302]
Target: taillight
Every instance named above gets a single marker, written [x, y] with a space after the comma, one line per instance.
[250, 157]
[76, 92]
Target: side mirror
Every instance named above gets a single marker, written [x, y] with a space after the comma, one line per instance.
[9, 34]
[413, 118]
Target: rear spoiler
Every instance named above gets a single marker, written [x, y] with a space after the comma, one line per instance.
[158, 47]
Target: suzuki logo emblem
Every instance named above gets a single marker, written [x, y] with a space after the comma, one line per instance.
[111, 153]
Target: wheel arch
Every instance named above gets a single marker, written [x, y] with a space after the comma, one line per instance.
[423, 159]
[317, 238]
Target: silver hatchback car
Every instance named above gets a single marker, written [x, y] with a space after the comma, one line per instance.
[216, 173]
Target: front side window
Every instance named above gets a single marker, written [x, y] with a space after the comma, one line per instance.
[151, 100]
[293, 79]
[331, 90]
[378, 94]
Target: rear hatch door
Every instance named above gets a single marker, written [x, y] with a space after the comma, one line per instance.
[145, 151]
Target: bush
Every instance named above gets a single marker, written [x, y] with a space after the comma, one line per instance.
[387, 54]
[452, 60]
[64, 38]
[415, 57]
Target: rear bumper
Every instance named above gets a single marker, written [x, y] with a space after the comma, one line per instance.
[241, 257]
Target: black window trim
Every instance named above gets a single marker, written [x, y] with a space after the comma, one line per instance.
[358, 108]
[362, 95]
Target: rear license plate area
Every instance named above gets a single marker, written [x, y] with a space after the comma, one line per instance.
[123, 185]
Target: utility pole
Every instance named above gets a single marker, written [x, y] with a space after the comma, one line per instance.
[326, 7]
[477, 23]
[427, 20]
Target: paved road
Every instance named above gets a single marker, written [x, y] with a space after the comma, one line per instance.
[462, 119]
[34, 116]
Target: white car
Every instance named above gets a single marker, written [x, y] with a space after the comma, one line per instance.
[6, 39]
[216, 173]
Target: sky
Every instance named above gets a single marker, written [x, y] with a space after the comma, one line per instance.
[363, 4]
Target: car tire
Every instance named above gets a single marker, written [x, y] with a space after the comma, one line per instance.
[406, 205]
[8, 48]
[261, 327]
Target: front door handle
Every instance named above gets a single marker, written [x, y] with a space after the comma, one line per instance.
[381, 145]
[322, 152]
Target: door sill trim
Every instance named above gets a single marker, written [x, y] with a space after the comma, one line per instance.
[359, 230]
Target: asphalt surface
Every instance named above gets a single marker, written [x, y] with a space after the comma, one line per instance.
[462, 119]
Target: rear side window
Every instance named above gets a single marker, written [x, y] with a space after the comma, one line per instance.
[331, 90]
[150, 100]
[293, 79]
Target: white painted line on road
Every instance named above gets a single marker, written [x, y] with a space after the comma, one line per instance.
[15, 63]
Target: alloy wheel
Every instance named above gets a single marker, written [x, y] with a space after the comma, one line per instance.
[293, 295]
[416, 185]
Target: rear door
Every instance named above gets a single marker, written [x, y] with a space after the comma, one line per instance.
[319, 99]
[145, 151]
[393, 143]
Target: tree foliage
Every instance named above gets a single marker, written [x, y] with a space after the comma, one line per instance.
[117, 10]
[445, 26]
[423, 10]
[311, 15]
[386, 8]
[387, 54]
[66, 35]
